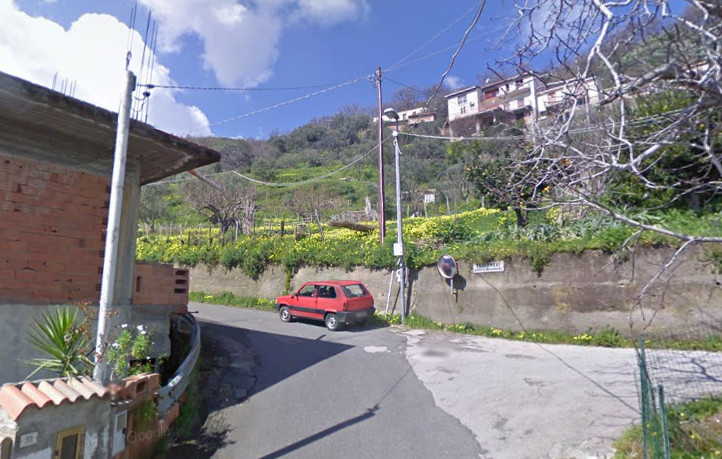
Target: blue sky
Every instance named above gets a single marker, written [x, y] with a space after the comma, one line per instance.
[264, 44]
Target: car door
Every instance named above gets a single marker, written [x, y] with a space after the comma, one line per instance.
[305, 304]
[328, 300]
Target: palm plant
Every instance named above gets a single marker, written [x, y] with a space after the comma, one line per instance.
[65, 344]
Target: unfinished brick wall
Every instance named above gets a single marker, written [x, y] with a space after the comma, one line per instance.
[52, 223]
[162, 284]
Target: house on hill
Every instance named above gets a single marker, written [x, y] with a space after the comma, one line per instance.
[56, 159]
[523, 98]
[413, 117]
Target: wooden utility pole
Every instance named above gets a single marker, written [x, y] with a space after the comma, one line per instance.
[382, 212]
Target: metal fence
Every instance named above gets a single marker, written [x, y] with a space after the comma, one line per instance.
[670, 383]
[170, 393]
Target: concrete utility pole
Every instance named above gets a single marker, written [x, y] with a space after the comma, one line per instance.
[110, 262]
[382, 212]
[399, 245]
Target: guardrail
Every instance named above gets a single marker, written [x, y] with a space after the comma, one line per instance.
[176, 387]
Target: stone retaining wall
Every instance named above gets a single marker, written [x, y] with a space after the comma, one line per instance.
[573, 293]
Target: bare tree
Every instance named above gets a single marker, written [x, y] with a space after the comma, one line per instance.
[652, 138]
[656, 128]
[230, 206]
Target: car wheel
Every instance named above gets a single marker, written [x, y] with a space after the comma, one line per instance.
[285, 314]
[332, 322]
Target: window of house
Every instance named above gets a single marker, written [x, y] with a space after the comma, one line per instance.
[462, 99]
[462, 110]
[70, 444]
[519, 83]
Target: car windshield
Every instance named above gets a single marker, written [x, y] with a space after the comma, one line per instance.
[354, 290]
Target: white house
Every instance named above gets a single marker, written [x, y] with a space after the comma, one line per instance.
[524, 97]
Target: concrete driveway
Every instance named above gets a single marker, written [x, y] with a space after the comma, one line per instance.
[527, 400]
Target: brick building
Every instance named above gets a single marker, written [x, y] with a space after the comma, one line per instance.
[56, 159]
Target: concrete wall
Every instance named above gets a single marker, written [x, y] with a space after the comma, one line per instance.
[17, 319]
[91, 414]
[573, 293]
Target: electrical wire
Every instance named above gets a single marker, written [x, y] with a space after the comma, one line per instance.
[315, 179]
[223, 88]
[279, 184]
[398, 83]
[400, 62]
[435, 53]
[646, 120]
[280, 104]
[456, 53]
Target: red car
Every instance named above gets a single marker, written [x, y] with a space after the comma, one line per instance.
[333, 302]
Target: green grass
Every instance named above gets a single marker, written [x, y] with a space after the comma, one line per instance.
[603, 337]
[229, 299]
[694, 430]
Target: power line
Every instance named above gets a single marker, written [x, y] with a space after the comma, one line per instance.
[315, 179]
[456, 53]
[225, 88]
[645, 120]
[399, 83]
[401, 61]
[278, 184]
[281, 104]
[434, 53]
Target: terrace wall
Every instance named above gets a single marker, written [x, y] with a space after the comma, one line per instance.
[572, 293]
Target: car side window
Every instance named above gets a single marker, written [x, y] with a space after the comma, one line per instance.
[307, 290]
[326, 291]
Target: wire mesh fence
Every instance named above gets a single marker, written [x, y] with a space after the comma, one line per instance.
[680, 398]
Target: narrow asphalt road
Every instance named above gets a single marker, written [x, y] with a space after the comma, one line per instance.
[298, 390]
[321, 394]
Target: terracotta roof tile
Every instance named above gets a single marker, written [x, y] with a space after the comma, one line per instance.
[35, 394]
[15, 398]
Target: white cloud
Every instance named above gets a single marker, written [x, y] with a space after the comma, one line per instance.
[329, 12]
[241, 38]
[91, 53]
[453, 82]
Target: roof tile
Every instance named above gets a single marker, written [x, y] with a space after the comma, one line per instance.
[16, 398]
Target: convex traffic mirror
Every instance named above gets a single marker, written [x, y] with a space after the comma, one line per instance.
[447, 267]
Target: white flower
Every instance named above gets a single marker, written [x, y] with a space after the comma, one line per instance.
[115, 345]
[124, 326]
[140, 328]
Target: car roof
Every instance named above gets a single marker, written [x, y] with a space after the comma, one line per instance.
[336, 282]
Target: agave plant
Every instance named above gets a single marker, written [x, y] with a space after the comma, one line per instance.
[64, 342]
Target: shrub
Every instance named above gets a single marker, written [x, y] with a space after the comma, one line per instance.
[609, 336]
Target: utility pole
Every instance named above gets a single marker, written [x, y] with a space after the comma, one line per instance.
[382, 212]
[110, 262]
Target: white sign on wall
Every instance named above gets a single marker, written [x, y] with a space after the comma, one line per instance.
[28, 439]
[491, 267]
